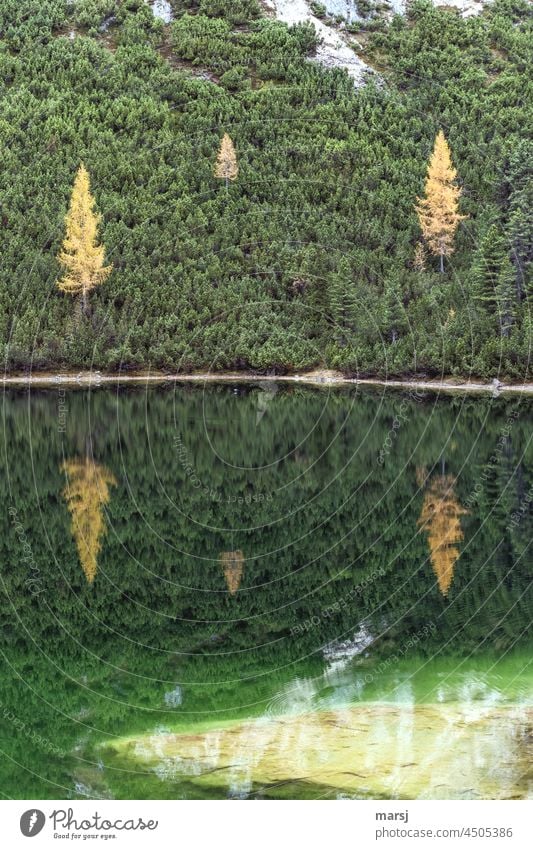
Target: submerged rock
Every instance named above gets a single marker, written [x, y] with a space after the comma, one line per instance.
[394, 751]
[174, 697]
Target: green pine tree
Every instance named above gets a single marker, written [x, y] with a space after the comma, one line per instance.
[393, 311]
[520, 222]
[494, 279]
[506, 300]
[343, 303]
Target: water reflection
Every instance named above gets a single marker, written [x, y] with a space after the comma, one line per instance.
[86, 494]
[411, 732]
[375, 751]
[267, 587]
[441, 520]
[233, 567]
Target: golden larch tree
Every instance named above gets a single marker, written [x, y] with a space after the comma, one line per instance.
[86, 494]
[441, 519]
[438, 210]
[227, 167]
[233, 567]
[81, 255]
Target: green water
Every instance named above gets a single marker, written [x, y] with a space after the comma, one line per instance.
[260, 591]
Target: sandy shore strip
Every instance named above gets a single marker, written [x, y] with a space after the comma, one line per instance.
[319, 377]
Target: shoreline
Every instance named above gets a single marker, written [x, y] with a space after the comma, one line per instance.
[313, 378]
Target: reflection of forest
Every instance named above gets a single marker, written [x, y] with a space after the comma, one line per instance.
[181, 587]
[335, 519]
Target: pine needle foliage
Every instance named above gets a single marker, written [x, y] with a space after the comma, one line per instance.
[81, 255]
[438, 211]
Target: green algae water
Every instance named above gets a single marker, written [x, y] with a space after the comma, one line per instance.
[251, 591]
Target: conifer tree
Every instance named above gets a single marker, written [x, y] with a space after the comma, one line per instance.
[438, 211]
[520, 223]
[494, 278]
[392, 311]
[226, 167]
[81, 256]
[343, 303]
[506, 297]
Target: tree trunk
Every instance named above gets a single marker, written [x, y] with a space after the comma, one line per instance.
[505, 326]
[84, 303]
[442, 263]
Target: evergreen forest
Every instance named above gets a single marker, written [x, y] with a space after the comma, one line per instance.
[309, 252]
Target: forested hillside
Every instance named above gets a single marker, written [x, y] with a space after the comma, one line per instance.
[313, 253]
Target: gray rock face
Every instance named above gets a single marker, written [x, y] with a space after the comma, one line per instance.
[162, 10]
[336, 49]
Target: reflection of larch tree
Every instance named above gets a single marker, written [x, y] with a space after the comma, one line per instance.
[233, 566]
[441, 519]
[86, 494]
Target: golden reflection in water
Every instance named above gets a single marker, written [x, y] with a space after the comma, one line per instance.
[233, 566]
[441, 519]
[86, 494]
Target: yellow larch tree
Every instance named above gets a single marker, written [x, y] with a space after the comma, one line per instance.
[86, 494]
[233, 567]
[227, 167]
[438, 211]
[81, 255]
[441, 519]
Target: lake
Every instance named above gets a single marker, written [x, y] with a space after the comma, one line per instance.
[265, 591]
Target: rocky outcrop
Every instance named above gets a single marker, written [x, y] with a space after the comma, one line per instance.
[335, 50]
[337, 45]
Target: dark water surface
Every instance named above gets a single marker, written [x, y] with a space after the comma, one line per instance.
[265, 592]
